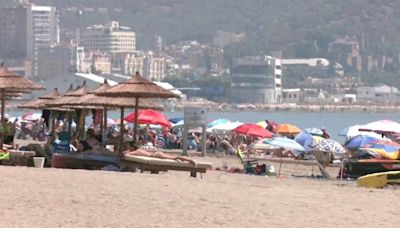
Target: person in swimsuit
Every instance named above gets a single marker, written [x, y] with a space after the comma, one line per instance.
[157, 154]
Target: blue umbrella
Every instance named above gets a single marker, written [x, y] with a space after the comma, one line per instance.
[306, 140]
[217, 121]
[359, 141]
[284, 142]
[175, 119]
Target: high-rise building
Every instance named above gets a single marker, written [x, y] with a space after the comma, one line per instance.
[13, 32]
[26, 28]
[110, 38]
[43, 27]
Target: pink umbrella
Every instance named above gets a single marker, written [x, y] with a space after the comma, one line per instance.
[149, 116]
[253, 130]
[31, 116]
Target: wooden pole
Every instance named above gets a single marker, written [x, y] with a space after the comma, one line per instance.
[104, 132]
[69, 126]
[2, 116]
[121, 133]
[135, 126]
[101, 119]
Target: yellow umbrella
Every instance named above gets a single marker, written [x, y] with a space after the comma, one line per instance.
[262, 124]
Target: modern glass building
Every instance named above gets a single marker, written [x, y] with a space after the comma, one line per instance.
[256, 80]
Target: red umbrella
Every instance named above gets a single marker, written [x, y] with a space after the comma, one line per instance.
[253, 130]
[149, 116]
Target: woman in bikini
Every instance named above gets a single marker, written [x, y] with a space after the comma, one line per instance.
[156, 154]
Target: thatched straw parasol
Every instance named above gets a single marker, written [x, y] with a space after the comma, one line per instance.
[41, 102]
[91, 100]
[12, 82]
[69, 96]
[136, 87]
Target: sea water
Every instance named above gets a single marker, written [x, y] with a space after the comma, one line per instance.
[334, 122]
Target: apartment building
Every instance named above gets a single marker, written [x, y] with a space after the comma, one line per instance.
[26, 28]
[256, 80]
[109, 38]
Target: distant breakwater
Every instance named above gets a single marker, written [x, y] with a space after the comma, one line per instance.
[225, 107]
[294, 107]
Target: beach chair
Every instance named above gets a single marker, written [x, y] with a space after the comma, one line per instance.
[156, 165]
[248, 164]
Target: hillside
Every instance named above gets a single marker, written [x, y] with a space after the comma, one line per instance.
[301, 28]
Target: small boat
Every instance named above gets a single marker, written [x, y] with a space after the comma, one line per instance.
[379, 180]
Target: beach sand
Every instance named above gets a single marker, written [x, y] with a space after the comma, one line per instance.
[33, 197]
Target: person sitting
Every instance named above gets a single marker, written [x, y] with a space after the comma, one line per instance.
[135, 151]
[89, 143]
[8, 130]
[325, 133]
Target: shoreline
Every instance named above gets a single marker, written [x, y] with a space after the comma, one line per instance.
[287, 107]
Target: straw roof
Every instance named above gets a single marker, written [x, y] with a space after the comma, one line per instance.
[93, 101]
[10, 80]
[52, 95]
[70, 96]
[137, 87]
[35, 104]
[80, 102]
[126, 102]
[41, 102]
[80, 91]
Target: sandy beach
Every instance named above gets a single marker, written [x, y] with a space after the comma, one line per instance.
[33, 197]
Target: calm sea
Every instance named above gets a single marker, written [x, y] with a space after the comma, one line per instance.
[334, 122]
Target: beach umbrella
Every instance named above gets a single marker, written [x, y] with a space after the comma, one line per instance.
[175, 120]
[384, 149]
[30, 116]
[148, 116]
[262, 124]
[260, 145]
[10, 83]
[137, 87]
[217, 121]
[382, 126]
[287, 129]
[41, 102]
[354, 130]
[284, 142]
[110, 122]
[330, 146]
[179, 123]
[359, 141]
[304, 138]
[229, 126]
[253, 130]
[118, 122]
[314, 131]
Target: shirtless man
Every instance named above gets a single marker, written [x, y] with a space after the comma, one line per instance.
[156, 154]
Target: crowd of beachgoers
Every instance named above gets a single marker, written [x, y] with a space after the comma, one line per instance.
[223, 137]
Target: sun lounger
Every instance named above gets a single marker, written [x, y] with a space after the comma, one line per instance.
[155, 165]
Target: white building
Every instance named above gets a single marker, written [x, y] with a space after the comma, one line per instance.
[379, 93]
[110, 38]
[309, 62]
